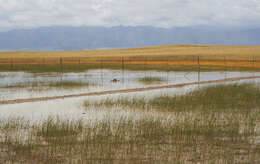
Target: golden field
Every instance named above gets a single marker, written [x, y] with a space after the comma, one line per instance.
[160, 51]
[175, 55]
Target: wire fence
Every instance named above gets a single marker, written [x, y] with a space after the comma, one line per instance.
[187, 64]
[195, 61]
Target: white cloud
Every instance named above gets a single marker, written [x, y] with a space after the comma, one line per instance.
[162, 13]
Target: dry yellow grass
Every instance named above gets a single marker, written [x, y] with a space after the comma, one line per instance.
[246, 64]
[160, 51]
[178, 55]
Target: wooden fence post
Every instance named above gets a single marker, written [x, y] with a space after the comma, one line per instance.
[102, 81]
[123, 69]
[167, 71]
[199, 71]
[199, 63]
[225, 63]
[12, 63]
[61, 64]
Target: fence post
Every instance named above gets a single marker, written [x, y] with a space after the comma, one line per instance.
[249, 62]
[254, 62]
[101, 62]
[225, 62]
[12, 63]
[123, 69]
[61, 66]
[167, 71]
[145, 61]
[199, 63]
[199, 71]
[253, 65]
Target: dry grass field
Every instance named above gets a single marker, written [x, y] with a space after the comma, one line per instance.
[239, 52]
[222, 57]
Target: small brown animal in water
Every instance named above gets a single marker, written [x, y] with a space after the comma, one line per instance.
[115, 81]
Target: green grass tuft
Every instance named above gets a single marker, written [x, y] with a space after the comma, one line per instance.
[151, 80]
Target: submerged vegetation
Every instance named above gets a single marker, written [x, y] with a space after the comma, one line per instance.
[69, 84]
[43, 85]
[151, 80]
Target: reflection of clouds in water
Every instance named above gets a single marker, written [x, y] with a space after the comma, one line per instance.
[74, 108]
[41, 110]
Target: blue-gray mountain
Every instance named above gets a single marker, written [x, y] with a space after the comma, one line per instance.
[78, 38]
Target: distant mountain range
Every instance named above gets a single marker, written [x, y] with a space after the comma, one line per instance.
[78, 38]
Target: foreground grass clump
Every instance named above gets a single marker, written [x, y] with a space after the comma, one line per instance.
[243, 97]
[59, 128]
[151, 80]
[205, 139]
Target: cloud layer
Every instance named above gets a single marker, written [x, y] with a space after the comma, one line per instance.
[160, 13]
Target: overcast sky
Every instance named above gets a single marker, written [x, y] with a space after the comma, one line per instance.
[160, 13]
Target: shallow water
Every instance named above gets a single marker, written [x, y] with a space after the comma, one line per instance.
[101, 79]
[73, 108]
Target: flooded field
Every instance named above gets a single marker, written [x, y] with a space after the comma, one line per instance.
[18, 85]
[191, 124]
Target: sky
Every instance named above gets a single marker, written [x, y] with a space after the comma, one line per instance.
[159, 13]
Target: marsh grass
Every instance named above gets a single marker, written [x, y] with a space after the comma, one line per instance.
[151, 80]
[59, 128]
[233, 97]
[202, 132]
[225, 97]
[141, 141]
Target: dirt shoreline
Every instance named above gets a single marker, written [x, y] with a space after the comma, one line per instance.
[39, 99]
